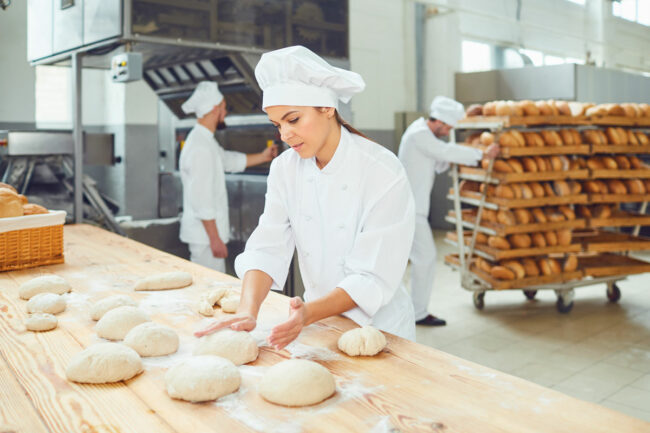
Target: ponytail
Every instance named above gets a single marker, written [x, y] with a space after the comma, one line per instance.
[349, 127]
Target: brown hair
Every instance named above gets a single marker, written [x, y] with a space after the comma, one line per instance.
[349, 127]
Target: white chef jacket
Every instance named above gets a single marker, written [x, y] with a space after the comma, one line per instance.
[352, 224]
[423, 155]
[203, 164]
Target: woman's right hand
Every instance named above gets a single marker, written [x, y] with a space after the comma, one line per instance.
[238, 322]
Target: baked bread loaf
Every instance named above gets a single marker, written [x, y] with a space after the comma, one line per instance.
[622, 162]
[506, 217]
[539, 240]
[530, 267]
[474, 110]
[502, 273]
[515, 267]
[570, 263]
[635, 186]
[520, 240]
[530, 166]
[616, 186]
[33, 209]
[564, 237]
[498, 242]
[538, 189]
[551, 238]
[11, 205]
[523, 216]
[486, 138]
[533, 139]
[489, 109]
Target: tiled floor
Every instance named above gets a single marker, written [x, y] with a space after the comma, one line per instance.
[599, 352]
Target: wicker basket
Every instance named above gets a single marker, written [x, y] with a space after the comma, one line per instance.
[30, 241]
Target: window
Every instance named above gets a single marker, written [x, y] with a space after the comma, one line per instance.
[553, 60]
[632, 10]
[536, 57]
[476, 56]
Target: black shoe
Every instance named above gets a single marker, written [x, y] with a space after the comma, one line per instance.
[431, 320]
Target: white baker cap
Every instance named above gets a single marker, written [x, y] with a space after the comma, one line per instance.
[447, 110]
[297, 76]
[205, 97]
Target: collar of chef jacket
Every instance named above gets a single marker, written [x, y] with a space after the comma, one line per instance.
[338, 159]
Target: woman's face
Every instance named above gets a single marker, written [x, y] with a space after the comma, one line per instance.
[305, 129]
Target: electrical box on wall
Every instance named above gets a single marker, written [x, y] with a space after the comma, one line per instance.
[126, 67]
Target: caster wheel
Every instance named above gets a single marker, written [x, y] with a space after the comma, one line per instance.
[613, 293]
[563, 307]
[530, 294]
[478, 298]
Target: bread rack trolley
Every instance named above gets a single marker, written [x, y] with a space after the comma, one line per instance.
[563, 285]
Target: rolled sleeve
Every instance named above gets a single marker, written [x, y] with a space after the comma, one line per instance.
[376, 264]
[270, 248]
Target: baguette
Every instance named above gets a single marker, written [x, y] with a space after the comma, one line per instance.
[564, 237]
[570, 263]
[498, 243]
[515, 267]
[622, 162]
[520, 240]
[551, 238]
[502, 273]
[530, 267]
[544, 267]
[539, 216]
[538, 189]
[530, 166]
[523, 216]
[506, 217]
[635, 186]
[539, 240]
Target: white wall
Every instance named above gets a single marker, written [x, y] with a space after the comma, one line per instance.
[16, 76]
[382, 51]
[556, 27]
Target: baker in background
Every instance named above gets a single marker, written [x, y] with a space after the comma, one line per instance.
[424, 154]
[205, 225]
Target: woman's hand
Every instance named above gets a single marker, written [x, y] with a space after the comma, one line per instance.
[238, 322]
[288, 331]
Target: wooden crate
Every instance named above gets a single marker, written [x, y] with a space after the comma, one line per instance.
[496, 254]
[596, 241]
[504, 230]
[480, 174]
[607, 265]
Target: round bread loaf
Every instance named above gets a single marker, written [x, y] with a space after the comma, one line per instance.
[502, 273]
[531, 268]
[635, 186]
[544, 267]
[515, 267]
[486, 138]
[564, 237]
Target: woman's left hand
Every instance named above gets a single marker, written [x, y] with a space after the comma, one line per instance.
[288, 331]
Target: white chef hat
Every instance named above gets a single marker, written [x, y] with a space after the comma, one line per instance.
[205, 97]
[446, 110]
[297, 76]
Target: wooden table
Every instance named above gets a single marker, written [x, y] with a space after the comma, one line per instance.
[407, 388]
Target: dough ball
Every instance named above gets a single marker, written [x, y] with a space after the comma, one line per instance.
[44, 284]
[230, 304]
[202, 378]
[104, 363]
[46, 303]
[41, 322]
[205, 308]
[116, 323]
[152, 339]
[165, 281]
[237, 346]
[366, 341]
[107, 304]
[297, 382]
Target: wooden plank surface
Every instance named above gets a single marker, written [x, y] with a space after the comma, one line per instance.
[619, 149]
[602, 241]
[523, 120]
[620, 219]
[407, 388]
[496, 254]
[606, 265]
[473, 173]
[512, 203]
[620, 174]
[618, 198]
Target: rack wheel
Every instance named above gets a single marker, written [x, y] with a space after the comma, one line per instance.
[530, 294]
[613, 292]
[562, 306]
[478, 298]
